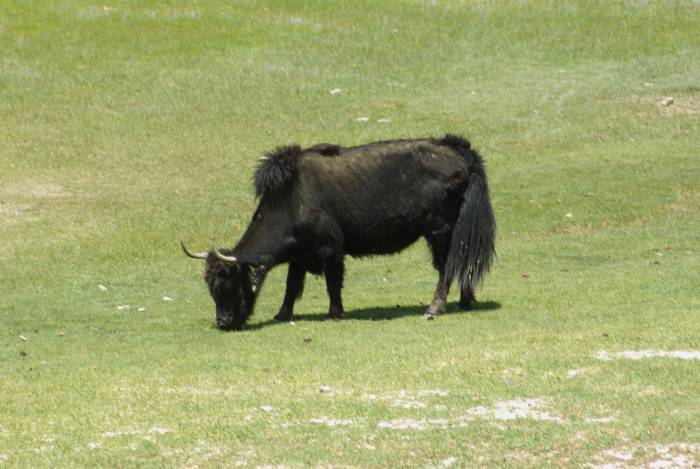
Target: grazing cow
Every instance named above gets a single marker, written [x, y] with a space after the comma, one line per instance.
[321, 203]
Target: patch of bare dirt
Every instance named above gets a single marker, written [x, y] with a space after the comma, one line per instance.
[668, 456]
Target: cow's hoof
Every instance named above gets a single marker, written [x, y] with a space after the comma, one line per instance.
[336, 314]
[430, 316]
[283, 316]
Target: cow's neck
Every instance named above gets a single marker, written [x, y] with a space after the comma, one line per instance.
[266, 241]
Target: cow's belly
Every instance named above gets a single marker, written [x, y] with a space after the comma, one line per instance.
[387, 237]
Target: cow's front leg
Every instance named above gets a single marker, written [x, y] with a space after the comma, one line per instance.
[333, 270]
[295, 287]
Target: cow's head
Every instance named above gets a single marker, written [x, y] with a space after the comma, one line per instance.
[232, 285]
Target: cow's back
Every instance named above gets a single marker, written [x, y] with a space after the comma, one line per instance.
[382, 196]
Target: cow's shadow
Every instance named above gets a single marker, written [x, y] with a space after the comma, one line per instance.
[385, 313]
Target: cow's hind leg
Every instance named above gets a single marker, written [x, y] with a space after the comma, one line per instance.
[466, 298]
[333, 270]
[439, 242]
[295, 287]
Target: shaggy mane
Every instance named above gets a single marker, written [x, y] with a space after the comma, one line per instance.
[462, 146]
[276, 169]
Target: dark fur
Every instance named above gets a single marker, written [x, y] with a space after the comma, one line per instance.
[326, 149]
[472, 247]
[376, 198]
[276, 169]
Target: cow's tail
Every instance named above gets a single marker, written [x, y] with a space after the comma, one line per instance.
[472, 247]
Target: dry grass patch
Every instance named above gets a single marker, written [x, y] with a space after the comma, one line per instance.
[686, 202]
[12, 213]
[36, 190]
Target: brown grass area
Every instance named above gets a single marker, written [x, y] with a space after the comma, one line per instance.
[686, 202]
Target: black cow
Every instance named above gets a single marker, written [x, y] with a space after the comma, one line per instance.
[321, 203]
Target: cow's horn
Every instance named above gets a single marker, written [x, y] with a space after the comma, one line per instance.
[193, 255]
[224, 257]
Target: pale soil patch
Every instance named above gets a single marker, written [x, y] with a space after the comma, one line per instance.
[640, 354]
[673, 455]
[525, 409]
[516, 409]
[330, 422]
[413, 424]
[407, 399]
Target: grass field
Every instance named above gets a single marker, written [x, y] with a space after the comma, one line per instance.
[126, 126]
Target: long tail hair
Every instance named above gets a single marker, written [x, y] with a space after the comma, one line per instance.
[473, 244]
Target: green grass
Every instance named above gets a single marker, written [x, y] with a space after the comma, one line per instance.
[126, 126]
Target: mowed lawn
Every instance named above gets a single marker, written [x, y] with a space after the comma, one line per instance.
[126, 126]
